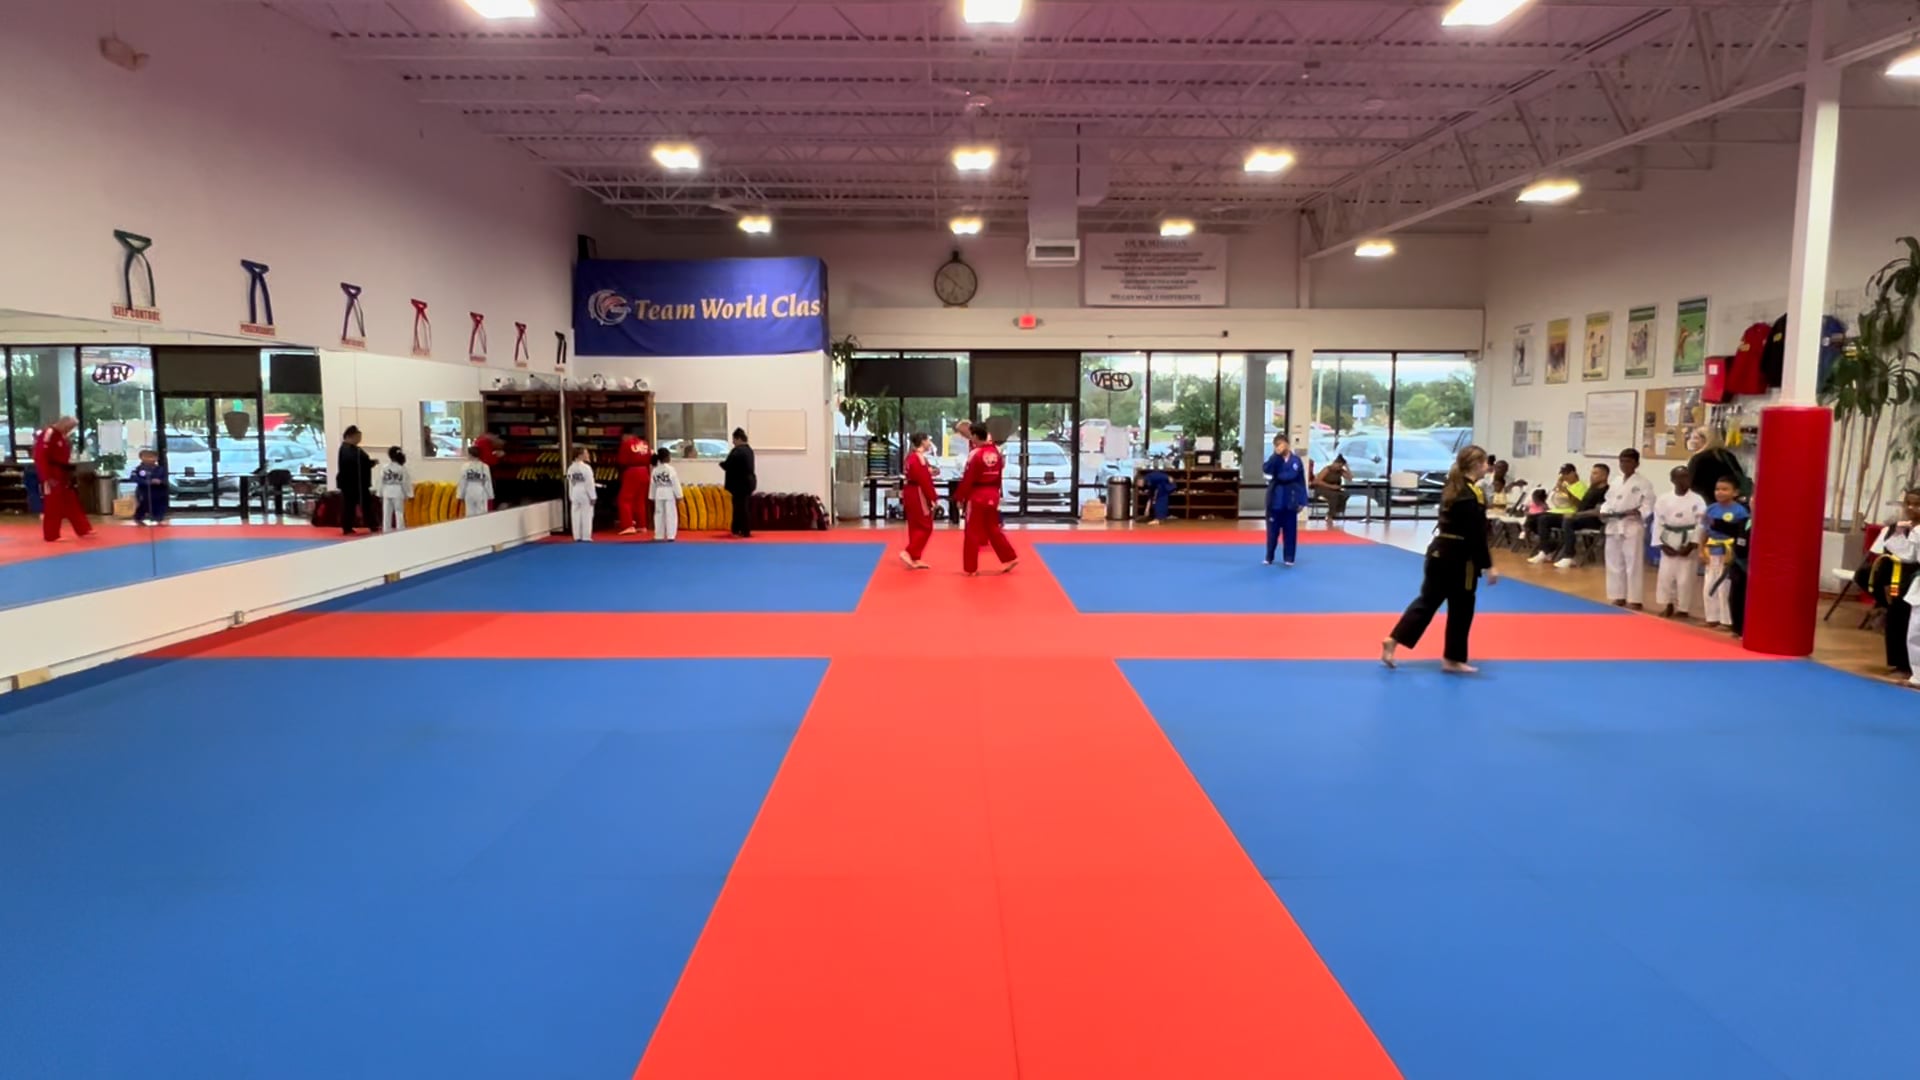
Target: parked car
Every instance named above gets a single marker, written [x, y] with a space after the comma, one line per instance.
[1454, 439]
[190, 464]
[1048, 470]
[1366, 455]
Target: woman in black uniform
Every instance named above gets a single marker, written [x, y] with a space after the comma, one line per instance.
[1456, 558]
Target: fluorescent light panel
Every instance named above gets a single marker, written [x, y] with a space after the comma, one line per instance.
[1905, 66]
[974, 158]
[1176, 227]
[966, 226]
[503, 9]
[990, 11]
[756, 224]
[1549, 191]
[677, 156]
[1374, 249]
[1269, 161]
[1480, 12]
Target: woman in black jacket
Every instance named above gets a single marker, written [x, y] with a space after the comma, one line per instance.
[1456, 558]
[741, 482]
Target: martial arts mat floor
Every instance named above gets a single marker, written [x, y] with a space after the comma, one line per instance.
[1142, 809]
[32, 570]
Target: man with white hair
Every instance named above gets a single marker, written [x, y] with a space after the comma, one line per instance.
[59, 499]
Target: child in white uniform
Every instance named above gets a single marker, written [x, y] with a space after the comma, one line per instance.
[1624, 511]
[1676, 520]
[664, 488]
[582, 496]
[396, 487]
[476, 484]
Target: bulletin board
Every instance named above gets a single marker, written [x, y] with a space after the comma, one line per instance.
[777, 429]
[1610, 422]
[378, 427]
[1672, 416]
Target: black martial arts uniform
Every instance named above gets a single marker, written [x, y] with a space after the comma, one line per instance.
[354, 479]
[1455, 560]
[741, 483]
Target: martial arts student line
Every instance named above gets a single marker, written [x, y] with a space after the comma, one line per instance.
[1456, 559]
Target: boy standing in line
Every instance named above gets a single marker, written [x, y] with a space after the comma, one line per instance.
[1726, 521]
[396, 487]
[1677, 516]
[664, 485]
[149, 490]
[1625, 515]
[581, 496]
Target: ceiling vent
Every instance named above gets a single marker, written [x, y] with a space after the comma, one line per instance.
[1053, 253]
[1065, 172]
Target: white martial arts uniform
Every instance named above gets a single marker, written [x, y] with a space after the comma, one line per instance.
[396, 487]
[476, 487]
[1625, 512]
[1676, 523]
[582, 495]
[663, 486]
[1905, 548]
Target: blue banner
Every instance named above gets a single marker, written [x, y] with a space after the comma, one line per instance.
[709, 307]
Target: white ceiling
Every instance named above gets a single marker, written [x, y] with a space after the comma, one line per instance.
[846, 110]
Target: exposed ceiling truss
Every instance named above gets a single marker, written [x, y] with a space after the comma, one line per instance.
[846, 110]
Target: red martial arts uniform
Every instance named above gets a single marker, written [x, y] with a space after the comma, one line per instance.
[636, 466]
[919, 496]
[59, 501]
[980, 492]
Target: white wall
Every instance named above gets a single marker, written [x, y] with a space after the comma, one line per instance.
[1724, 234]
[743, 383]
[245, 137]
[374, 381]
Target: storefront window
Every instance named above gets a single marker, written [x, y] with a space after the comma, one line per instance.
[1393, 417]
[42, 386]
[295, 426]
[116, 405]
[1185, 411]
[1113, 419]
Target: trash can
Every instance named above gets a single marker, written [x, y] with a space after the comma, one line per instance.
[1119, 499]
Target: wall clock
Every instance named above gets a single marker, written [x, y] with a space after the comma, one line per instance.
[955, 283]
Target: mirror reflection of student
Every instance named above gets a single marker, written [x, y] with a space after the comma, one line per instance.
[149, 490]
[476, 483]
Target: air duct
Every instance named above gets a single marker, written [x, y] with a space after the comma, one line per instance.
[1065, 171]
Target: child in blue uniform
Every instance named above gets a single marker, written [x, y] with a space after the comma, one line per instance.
[149, 490]
[1286, 494]
[1725, 523]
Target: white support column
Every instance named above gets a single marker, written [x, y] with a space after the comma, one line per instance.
[1813, 207]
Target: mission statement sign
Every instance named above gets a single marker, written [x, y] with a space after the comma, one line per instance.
[1136, 270]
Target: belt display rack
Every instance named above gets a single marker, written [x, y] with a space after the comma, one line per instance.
[598, 419]
[528, 424]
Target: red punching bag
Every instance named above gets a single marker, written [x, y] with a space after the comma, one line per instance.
[1789, 519]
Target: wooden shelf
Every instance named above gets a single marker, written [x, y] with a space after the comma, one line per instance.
[1203, 491]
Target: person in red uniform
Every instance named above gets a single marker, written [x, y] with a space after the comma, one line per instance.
[919, 496]
[636, 467]
[980, 494]
[59, 500]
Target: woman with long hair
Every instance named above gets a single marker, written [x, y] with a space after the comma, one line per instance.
[1456, 558]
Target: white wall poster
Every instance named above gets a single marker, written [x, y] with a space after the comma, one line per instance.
[1139, 270]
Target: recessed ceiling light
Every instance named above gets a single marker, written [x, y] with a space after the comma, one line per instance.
[1549, 191]
[1269, 161]
[1176, 227]
[1905, 66]
[679, 157]
[756, 224]
[966, 226]
[1374, 249]
[990, 11]
[503, 9]
[1480, 12]
[974, 158]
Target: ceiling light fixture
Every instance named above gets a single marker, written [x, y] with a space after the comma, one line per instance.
[1905, 66]
[1269, 161]
[503, 9]
[679, 157]
[1480, 12]
[1374, 249]
[1176, 228]
[966, 226]
[974, 158]
[756, 224]
[999, 12]
[1549, 191]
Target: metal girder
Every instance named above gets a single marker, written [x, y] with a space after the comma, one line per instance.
[1715, 89]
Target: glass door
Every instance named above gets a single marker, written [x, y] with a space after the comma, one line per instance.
[1037, 438]
[212, 449]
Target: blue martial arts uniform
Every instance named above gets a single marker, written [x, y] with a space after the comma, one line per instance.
[149, 493]
[1160, 488]
[1286, 494]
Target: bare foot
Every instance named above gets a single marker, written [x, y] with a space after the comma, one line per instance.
[1452, 668]
[908, 559]
[1008, 569]
[922, 566]
[1386, 652]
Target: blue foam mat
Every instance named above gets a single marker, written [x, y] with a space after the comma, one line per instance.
[82, 570]
[750, 576]
[327, 868]
[1229, 579]
[1583, 869]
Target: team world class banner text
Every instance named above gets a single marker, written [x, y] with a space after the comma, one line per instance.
[712, 307]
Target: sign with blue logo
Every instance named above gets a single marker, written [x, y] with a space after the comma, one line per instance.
[711, 307]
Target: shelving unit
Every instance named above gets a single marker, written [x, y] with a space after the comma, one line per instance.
[13, 488]
[599, 419]
[1202, 491]
[528, 424]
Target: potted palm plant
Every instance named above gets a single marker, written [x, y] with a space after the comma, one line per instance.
[1872, 388]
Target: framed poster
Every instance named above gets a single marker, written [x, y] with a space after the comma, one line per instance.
[1641, 322]
[1597, 358]
[1524, 357]
[1557, 350]
[1690, 337]
[1611, 420]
